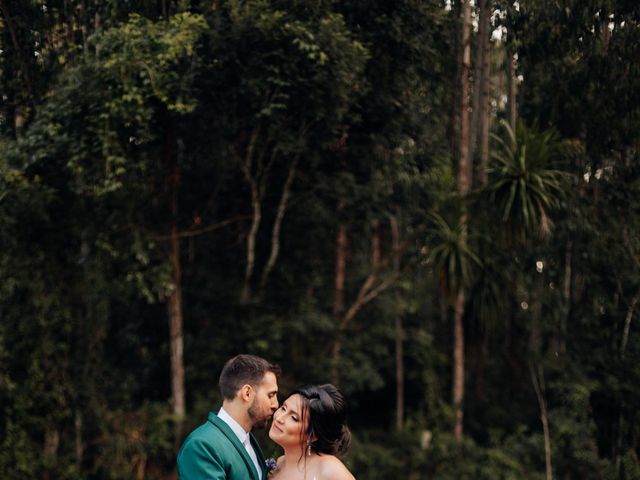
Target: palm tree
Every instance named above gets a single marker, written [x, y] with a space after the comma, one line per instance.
[451, 254]
[454, 261]
[523, 184]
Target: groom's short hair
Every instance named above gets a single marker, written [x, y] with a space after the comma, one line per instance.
[244, 370]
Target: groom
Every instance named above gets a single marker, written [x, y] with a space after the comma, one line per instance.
[223, 447]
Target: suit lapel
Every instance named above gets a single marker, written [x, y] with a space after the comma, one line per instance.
[260, 455]
[226, 430]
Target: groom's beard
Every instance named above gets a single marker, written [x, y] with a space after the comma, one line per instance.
[257, 420]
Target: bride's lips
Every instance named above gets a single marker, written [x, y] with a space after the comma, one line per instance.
[274, 426]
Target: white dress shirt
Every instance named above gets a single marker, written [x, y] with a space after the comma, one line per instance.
[244, 437]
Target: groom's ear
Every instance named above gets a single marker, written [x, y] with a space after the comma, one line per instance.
[246, 392]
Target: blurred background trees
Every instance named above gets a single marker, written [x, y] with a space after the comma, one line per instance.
[432, 204]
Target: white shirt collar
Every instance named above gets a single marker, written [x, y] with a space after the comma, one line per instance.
[242, 436]
[235, 426]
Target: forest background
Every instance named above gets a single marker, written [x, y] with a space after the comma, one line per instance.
[433, 204]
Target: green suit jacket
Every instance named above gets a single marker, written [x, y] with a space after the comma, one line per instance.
[213, 452]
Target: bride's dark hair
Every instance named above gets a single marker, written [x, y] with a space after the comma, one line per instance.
[325, 407]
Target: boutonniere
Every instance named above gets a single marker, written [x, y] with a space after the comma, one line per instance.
[271, 465]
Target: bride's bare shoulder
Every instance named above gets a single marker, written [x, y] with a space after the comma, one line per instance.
[333, 469]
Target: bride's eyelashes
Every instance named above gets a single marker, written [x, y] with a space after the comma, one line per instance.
[293, 415]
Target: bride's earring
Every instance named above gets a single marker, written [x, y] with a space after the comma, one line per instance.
[308, 449]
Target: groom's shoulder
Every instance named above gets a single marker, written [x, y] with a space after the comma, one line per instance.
[205, 432]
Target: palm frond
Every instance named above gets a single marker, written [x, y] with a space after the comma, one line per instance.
[450, 253]
[524, 186]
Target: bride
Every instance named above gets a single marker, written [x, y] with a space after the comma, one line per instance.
[310, 427]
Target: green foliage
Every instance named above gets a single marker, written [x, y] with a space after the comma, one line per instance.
[524, 185]
[105, 104]
[285, 73]
[451, 254]
[133, 439]
[149, 60]
[374, 457]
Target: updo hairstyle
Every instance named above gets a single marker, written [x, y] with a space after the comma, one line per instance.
[327, 431]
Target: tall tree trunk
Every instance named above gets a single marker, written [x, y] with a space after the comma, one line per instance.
[627, 324]
[338, 297]
[537, 373]
[340, 271]
[480, 367]
[399, 330]
[485, 92]
[347, 317]
[369, 290]
[458, 365]
[463, 181]
[621, 408]
[83, 20]
[336, 355]
[16, 110]
[478, 78]
[454, 123]
[513, 85]
[537, 378]
[464, 160]
[176, 346]
[51, 442]
[277, 224]
[50, 449]
[175, 327]
[79, 445]
[566, 293]
[605, 33]
[16, 46]
[256, 209]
